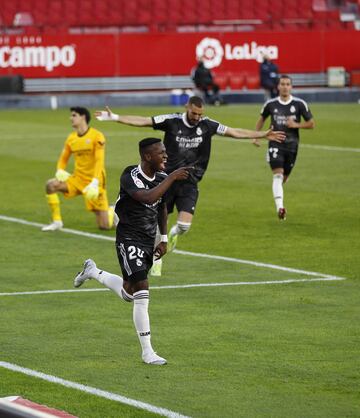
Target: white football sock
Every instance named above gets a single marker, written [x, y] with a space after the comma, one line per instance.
[180, 228]
[142, 320]
[278, 192]
[113, 282]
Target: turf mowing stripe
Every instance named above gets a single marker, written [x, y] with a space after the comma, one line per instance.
[329, 148]
[93, 391]
[218, 138]
[188, 253]
[182, 286]
[315, 146]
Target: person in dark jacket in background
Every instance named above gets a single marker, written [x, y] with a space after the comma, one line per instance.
[204, 81]
[269, 74]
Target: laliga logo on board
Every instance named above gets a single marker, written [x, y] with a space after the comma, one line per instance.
[212, 52]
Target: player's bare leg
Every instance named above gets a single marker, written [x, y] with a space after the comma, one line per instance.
[112, 216]
[52, 187]
[103, 219]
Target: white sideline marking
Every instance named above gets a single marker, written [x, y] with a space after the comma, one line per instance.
[180, 286]
[188, 253]
[253, 263]
[93, 391]
[47, 292]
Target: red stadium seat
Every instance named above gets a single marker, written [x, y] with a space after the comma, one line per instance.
[252, 81]
[319, 5]
[222, 80]
[237, 81]
[167, 15]
[23, 19]
[277, 25]
[355, 78]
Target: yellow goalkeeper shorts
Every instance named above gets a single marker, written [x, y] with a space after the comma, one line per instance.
[75, 186]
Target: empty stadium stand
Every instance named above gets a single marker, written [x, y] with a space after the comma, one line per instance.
[160, 16]
[173, 15]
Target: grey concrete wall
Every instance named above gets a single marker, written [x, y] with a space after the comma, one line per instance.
[164, 98]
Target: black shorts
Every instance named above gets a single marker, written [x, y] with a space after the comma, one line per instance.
[279, 157]
[183, 195]
[135, 260]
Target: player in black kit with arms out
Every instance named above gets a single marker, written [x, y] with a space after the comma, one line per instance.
[141, 210]
[187, 138]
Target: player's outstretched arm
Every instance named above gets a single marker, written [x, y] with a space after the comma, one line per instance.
[239, 133]
[108, 115]
[152, 195]
[277, 136]
[259, 125]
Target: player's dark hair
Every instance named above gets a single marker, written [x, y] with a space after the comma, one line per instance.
[81, 111]
[147, 142]
[196, 101]
[285, 76]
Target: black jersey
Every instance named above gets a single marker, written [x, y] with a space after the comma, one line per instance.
[280, 111]
[187, 145]
[137, 221]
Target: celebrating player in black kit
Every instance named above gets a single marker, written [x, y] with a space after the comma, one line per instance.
[286, 112]
[140, 210]
[188, 142]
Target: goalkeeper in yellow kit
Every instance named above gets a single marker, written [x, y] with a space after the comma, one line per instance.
[87, 145]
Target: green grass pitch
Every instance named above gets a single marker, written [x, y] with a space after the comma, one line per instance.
[240, 350]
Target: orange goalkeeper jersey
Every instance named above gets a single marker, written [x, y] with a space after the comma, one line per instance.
[89, 154]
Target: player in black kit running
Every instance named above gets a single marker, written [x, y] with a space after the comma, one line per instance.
[286, 112]
[140, 209]
[187, 140]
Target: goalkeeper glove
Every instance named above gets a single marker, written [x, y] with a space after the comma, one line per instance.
[62, 175]
[91, 191]
[106, 116]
